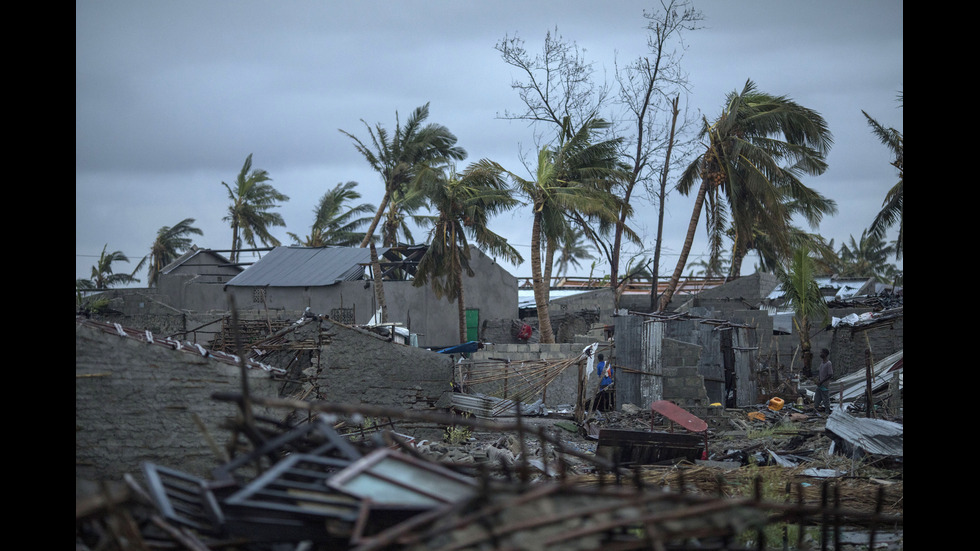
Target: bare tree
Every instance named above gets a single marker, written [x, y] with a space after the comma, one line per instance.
[649, 92]
[558, 89]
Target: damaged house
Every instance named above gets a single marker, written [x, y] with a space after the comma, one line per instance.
[730, 344]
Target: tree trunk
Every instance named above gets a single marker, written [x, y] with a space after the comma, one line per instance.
[379, 288]
[234, 242]
[663, 198]
[805, 346]
[377, 218]
[540, 285]
[458, 274]
[738, 254]
[688, 243]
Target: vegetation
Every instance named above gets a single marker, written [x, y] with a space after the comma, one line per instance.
[572, 178]
[803, 295]
[398, 159]
[747, 172]
[867, 257]
[456, 435]
[891, 212]
[334, 221]
[572, 250]
[103, 276]
[464, 204]
[250, 212]
[170, 243]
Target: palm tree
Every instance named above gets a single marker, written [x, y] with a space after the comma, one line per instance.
[572, 249]
[170, 243]
[891, 212]
[772, 256]
[334, 222]
[740, 173]
[571, 181]
[803, 295]
[250, 210]
[398, 158]
[710, 267]
[102, 274]
[404, 206]
[866, 257]
[464, 203]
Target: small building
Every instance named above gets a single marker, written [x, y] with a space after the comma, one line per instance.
[196, 278]
[339, 282]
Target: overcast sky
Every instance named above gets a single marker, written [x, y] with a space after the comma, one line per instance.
[171, 97]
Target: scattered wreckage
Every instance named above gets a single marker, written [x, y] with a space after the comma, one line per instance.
[319, 486]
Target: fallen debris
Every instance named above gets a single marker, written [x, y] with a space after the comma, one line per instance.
[314, 488]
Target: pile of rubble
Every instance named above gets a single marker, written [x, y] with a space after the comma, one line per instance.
[539, 483]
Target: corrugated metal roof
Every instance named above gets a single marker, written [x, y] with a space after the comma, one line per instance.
[306, 267]
[193, 252]
[844, 288]
[872, 436]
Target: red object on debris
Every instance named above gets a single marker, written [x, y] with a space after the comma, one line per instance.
[525, 332]
[677, 415]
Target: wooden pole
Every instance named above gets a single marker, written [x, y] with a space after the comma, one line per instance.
[869, 365]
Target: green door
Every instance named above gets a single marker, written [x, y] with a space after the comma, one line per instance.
[472, 324]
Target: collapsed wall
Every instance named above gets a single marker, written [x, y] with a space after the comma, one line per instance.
[136, 401]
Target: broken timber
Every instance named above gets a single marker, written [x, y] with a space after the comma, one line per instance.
[631, 447]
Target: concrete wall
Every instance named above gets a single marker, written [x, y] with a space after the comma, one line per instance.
[563, 390]
[683, 383]
[136, 401]
[359, 367]
[849, 344]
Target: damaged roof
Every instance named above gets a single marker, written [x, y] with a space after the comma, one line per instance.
[835, 288]
[195, 252]
[306, 267]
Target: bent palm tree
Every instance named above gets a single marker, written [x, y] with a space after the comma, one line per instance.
[404, 206]
[399, 157]
[250, 210]
[102, 274]
[334, 222]
[892, 211]
[571, 181]
[170, 243]
[741, 173]
[464, 204]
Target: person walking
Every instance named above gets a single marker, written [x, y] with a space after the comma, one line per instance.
[824, 375]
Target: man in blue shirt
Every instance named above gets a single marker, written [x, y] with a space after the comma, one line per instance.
[605, 399]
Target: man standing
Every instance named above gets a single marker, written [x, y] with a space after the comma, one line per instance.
[824, 376]
[605, 401]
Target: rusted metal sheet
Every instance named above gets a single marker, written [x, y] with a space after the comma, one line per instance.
[677, 414]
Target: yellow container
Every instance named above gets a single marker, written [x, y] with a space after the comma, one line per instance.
[775, 404]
